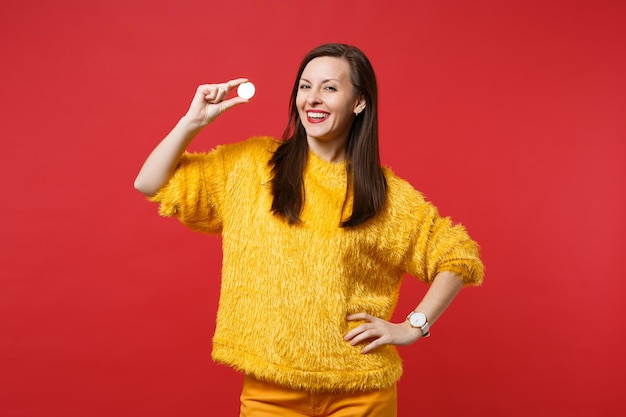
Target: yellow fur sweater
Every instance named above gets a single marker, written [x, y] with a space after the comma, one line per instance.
[287, 289]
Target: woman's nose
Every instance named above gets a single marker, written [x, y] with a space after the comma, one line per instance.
[313, 97]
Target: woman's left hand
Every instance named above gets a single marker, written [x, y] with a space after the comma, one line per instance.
[381, 331]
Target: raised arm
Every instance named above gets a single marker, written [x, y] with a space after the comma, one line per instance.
[208, 103]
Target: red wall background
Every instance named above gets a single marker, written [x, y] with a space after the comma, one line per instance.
[509, 116]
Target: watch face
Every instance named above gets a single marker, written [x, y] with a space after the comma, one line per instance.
[417, 319]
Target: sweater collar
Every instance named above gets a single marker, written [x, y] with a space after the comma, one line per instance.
[329, 173]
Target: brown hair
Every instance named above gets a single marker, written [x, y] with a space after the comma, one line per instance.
[362, 156]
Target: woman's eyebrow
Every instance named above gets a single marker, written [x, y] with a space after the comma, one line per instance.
[323, 81]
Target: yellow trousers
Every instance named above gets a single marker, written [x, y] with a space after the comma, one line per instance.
[261, 399]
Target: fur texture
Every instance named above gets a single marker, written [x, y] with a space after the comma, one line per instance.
[287, 289]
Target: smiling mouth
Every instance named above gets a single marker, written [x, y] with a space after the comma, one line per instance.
[316, 116]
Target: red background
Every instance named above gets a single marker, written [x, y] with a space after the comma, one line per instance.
[509, 116]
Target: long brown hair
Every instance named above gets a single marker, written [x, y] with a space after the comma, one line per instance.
[362, 156]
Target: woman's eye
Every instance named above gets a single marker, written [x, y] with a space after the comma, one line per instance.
[304, 86]
[330, 87]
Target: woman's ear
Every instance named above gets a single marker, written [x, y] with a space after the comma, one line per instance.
[360, 106]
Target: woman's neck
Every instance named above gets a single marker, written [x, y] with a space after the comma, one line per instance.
[331, 151]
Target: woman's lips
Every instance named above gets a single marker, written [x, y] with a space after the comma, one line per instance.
[316, 116]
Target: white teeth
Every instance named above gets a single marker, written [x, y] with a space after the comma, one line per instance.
[315, 115]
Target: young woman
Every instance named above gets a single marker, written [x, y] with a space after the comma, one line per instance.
[316, 239]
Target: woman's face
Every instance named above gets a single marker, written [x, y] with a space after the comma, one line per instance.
[326, 100]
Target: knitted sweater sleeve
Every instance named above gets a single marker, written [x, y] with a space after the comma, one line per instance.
[439, 245]
[193, 193]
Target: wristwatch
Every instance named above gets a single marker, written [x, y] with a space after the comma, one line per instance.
[418, 320]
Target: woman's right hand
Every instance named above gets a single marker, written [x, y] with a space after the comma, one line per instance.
[210, 101]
